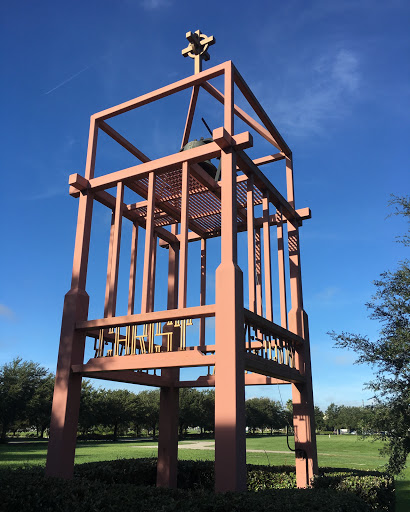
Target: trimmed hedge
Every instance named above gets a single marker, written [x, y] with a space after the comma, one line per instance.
[376, 489]
[191, 474]
[128, 485]
[27, 490]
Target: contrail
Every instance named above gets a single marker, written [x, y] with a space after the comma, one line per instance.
[67, 80]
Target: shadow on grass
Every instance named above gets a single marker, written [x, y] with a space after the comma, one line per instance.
[349, 471]
[402, 495]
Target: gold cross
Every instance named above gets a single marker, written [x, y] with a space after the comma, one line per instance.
[197, 48]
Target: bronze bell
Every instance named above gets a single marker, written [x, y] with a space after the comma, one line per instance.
[206, 165]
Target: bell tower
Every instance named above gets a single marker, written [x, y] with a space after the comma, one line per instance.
[177, 201]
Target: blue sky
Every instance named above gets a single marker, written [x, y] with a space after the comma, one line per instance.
[334, 78]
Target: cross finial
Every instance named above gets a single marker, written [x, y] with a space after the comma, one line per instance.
[197, 48]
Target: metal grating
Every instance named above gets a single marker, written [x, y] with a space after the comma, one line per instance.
[204, 205]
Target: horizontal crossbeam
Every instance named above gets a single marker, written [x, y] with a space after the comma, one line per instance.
[147, 318]
[261, 181]
[167, 163]
[188, 358]
[131, 377]
[271, 368]
[251, 379]
[273, 329]
[163, 92]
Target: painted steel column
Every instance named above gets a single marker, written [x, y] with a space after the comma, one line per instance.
[115, 251]
[133, 269]
[190, 115]
[183, 257]
[149, 245]
[202, 296]
[258, 271]
[250, 224]
[169, 396]
[302, 394]
[281, 270]
[153, 274]
[230, 449]
[267, 258]
[67, 388]
[109, 265]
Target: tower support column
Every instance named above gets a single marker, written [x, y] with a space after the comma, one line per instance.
[302, 394]
[167, 465]
[230, 440]
[67, 388]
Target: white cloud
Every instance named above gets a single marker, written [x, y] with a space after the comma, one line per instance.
[7, 313]
[324, 92]
[327, 294]
[48, 193]
[346, 359]
[151, 5]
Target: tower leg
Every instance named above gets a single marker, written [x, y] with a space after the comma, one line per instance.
[67, 389]
[302, 394]
[167, 470]
[167, 466]
[230, 437]
[303, 413]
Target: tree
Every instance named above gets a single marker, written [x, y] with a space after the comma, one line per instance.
[331, 417]
[18, 383]
[138, 412]
[262, 413]
[115, 409]
[319, 418]
[274, 415]
[207, 410]
[389, 355]
[39, 406]
[89, 415]
[189, 409]
[255, 417]
[150, 408]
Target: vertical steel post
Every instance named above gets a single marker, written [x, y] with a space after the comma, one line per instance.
[258, 271]
[133, 269]
[149, 246]
[281, 269]
[250, 222]
[183, 256]
[202, 296]
[230, 450]
[67, 388]
[169, 396]
[109, 265]
[115, 251]
[302, 394]
[267, 257]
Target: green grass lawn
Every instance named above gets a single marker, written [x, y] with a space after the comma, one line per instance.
[337, 451]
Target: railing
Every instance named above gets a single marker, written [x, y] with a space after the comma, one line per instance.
[147, 333]
[270, 341]
[132, 343]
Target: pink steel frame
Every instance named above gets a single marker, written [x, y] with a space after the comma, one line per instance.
[225, 208]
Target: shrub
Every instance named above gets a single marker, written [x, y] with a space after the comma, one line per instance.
[23, 490]
[128, 484]
[376, 489]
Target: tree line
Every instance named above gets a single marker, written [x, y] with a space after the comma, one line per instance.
[338, 417]
[26, 391]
